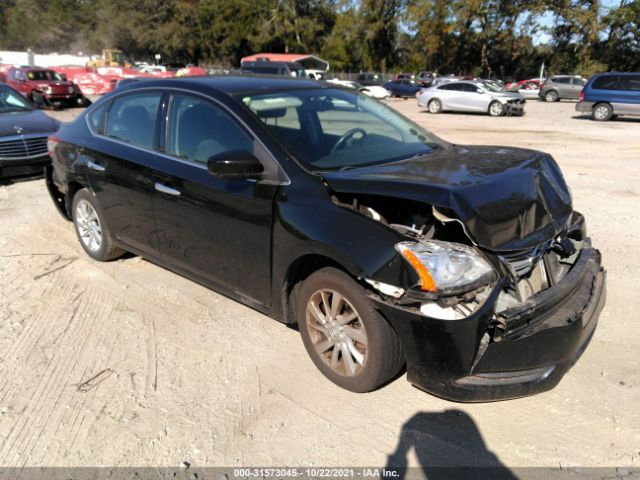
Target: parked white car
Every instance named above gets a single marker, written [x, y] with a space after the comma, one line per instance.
[471, 96]
[379, 93]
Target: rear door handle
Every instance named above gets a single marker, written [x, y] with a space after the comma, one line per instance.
[95, 166]
[90, 162]
[168, 190]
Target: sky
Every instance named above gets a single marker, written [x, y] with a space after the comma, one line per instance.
[547, 20]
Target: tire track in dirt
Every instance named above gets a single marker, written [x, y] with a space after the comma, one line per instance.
[68, 346]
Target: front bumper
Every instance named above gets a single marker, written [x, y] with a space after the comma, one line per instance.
[584, 107]
[515, 108]
[22, 167]
[543, 338]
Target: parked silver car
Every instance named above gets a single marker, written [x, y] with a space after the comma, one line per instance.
[561, 87]
[471, 96]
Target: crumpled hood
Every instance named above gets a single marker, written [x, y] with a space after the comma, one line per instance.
[508, 95]
[507, 198]
[33, 121]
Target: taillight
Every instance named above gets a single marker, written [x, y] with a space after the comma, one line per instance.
[52, 142]
[581, 96]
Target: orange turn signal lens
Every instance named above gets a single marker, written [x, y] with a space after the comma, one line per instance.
[427, 282]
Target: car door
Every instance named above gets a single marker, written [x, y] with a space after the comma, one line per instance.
[445, 94]
[563, 86]
[19, 82]
[577, 84]
[216, 230]
[474, 98]
[117, 164]
[627, 95]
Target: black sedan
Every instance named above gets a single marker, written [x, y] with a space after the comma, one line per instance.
[325, 209]
[23, 135]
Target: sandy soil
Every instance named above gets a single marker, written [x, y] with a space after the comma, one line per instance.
[125, 363]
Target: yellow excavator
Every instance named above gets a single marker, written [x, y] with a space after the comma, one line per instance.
[109, 58]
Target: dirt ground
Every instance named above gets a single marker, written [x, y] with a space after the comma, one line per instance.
[128, 364]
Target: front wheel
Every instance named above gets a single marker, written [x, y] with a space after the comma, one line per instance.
[93, 233]
[345, 336]
[496, 109]
[602, 112]
[551, 96]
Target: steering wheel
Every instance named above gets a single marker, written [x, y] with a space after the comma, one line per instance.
[348, 136]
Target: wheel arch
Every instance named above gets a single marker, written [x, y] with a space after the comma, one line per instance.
[72, 188]
[299, 270]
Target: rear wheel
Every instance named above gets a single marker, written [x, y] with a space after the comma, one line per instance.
[551, 96]
[345, 336]
[93, 233]
[602, 112]
[435, 106]
[496, 109]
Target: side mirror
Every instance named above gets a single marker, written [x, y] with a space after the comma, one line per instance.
[234, 164]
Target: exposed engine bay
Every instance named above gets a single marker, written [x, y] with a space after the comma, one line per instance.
[525, 273]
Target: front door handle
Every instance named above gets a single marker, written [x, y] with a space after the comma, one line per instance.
[168, 190]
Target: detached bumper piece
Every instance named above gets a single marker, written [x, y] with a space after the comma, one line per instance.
[541, 340]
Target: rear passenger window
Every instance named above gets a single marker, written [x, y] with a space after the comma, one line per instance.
[198, 130]
[605, 83]
[132, 118]
[630, 82]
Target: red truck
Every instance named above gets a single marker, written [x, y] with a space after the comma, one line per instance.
[45, 88]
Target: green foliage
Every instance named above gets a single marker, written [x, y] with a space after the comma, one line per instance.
[482, 37]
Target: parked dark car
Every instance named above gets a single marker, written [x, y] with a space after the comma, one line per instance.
[402, 88]
[23, 135]
[561, 87]
[322, 207]
[291, 69]
[607, 95]
[369, 79]
[46, 88]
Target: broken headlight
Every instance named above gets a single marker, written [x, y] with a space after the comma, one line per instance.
[447, 268]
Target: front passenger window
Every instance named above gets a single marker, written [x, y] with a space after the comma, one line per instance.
[198, 130]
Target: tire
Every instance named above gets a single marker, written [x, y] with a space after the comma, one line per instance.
[496, 109]
[360, 355]
[83, 102]
[602, 112]
[91, 229]
[39, 100]
[551, 96]
[434, 106]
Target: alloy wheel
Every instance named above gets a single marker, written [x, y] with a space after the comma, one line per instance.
[337, 332]
[89, 227]
[601, 112]
[434, 106]
[496, 109]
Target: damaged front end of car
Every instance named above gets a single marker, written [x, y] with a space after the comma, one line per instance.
[479, 323]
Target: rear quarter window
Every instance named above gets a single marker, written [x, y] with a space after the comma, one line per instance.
[132, 118]
[95, 117]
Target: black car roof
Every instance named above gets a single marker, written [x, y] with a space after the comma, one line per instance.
[232, 84]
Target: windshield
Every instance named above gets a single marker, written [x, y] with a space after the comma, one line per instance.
[332, 129]
[491, 87]
[11, 101]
